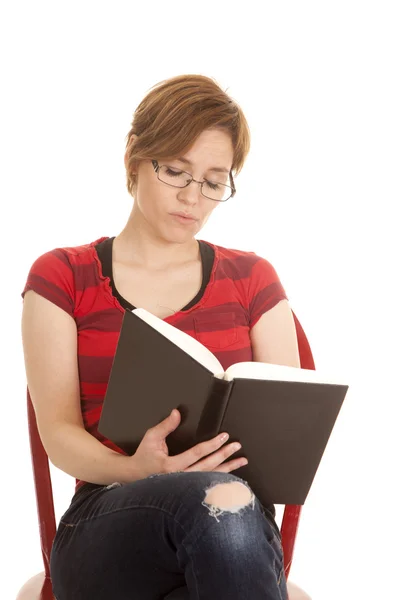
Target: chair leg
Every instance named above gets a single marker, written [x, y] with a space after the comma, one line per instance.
[47, 590]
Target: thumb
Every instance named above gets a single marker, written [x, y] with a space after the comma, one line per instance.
[169, 424]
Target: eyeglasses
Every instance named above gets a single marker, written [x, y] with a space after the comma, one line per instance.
[215, 190]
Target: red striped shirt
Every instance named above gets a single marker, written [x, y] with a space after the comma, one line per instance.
[242, 287]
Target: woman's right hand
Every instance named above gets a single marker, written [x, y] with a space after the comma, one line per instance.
[152, 456]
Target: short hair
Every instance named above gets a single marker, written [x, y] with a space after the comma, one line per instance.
[175, 112]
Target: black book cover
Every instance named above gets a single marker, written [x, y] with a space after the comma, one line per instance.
[283, 426]
[150, 376]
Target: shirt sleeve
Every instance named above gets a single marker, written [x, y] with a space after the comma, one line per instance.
[52, 277]
[265, 289]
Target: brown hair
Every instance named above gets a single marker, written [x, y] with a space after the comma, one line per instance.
[174, 113]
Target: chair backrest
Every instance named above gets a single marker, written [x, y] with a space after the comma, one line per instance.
[44, 491]
[43, 488]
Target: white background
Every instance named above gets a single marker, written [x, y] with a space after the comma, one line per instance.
[319, 84]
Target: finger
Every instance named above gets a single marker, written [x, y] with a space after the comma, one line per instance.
[186, 459]
[167, 426]
[232, 465]
[214, 460]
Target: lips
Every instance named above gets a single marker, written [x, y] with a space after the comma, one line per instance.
[187, 216]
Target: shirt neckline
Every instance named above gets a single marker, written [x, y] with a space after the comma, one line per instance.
[107, 284]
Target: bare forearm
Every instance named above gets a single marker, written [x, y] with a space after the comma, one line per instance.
[76, 452]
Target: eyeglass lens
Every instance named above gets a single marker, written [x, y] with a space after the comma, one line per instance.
[216, 188]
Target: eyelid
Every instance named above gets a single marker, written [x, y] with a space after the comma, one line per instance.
[187, 173]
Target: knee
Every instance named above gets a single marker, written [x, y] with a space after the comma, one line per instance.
[228, 497]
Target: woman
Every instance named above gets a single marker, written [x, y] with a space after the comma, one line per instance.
[142, 526]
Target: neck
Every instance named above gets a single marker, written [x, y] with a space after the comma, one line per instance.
[137, 245]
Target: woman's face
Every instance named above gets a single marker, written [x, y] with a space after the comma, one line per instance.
[155, 201]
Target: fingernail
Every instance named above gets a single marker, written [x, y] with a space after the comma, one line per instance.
[224, 437]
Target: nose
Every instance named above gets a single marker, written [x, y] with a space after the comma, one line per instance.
[192, 192]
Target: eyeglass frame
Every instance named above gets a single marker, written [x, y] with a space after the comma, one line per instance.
[157, 167]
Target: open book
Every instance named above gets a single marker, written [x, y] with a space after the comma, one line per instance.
[283, 416]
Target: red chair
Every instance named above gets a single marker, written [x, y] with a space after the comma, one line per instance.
[39, 587]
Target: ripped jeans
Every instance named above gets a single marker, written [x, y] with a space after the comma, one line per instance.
[142, 540]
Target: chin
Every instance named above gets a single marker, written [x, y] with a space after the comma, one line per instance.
[178, 235]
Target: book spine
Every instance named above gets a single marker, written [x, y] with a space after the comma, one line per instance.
[214, 409]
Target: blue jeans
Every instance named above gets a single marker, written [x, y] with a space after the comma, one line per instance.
[141, 540]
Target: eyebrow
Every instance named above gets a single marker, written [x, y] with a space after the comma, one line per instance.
[216, 169]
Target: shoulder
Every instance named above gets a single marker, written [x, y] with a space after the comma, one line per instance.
[244, 263]
[59, 273]
[64, 258]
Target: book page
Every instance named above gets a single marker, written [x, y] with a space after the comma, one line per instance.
[261, 370]
[186, 342]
